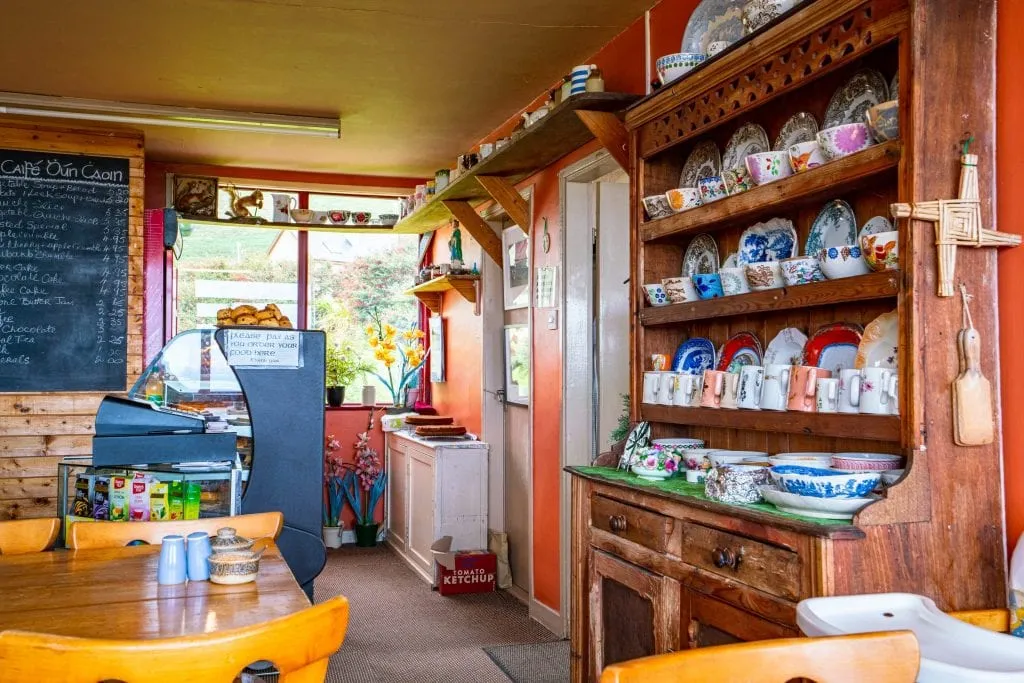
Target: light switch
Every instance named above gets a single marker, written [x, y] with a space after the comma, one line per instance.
[553, 319]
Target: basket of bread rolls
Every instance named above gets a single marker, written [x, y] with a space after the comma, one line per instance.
[269, 316]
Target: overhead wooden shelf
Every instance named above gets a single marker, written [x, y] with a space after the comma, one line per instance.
[431, 292]
[540, 145]
[830, 292]
[270, 225]
[822, 183]
[871, 427]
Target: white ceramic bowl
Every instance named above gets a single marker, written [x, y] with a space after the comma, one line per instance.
[810, 459]
[866, 462]
[679, 443]
[672, 66]
[719, 458]
[767, 167]
[841, 141]
[840, 262]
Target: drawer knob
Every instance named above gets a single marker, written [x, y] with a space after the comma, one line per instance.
[617, 523]
[725, 557]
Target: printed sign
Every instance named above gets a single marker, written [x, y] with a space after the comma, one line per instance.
[258, 348]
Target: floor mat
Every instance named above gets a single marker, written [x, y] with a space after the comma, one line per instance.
[533, 662]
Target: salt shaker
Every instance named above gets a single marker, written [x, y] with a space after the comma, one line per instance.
[198, 551]
[171, 568]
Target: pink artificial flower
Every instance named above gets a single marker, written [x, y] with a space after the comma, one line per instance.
[670, 465]
[651, 462]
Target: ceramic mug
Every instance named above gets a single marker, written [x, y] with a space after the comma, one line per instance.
[680, 290]
[775, 390]
[734, 281]
[730, 391]
[656, 295]
[751, 382]
[578, 78]
[764, 276]
[840, 141]
[692, 388]
[657, 206]
[767, 167]
[806, 155]
[894, 402]
[714, 383]
[801, 270]
[652, 386]
[847, 386]
[875, 389]
[659, 362]
[667, 388]
[828, 395]
[712, 189]
[803, 387]
[738, 180]
[708, 285]
[683, 198]
[881, 250]
[283, 203]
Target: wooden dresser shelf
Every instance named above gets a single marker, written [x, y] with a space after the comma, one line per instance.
[432, 291]
[551, 138]
[873, 427]
[819, 184]
[831, 292]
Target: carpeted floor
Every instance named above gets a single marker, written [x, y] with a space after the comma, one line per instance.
[402, 631]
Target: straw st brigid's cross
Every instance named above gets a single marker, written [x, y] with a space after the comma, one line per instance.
[957, 222]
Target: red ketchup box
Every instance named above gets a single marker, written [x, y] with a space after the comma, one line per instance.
[473, 571]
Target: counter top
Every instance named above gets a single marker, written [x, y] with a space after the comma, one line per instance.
[440, 442]
[678, 489]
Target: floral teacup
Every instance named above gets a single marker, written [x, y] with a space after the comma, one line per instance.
[734, 281]
[801, 270]
[656, 295]
[881, 250]
[840, 141]
[712, 189]
[806, 155]
[708, 285]
[738, 180]
[840, 262]
[683, 198]
[767, 167]
[763, 276]
[679, 289]
[656, 463]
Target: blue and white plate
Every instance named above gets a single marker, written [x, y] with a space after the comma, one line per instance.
[772, 240]
[835, 226]
[809, 506]
[713, 21]
[701, 256]
[694, 356]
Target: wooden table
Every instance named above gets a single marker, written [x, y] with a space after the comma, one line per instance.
[113, 593]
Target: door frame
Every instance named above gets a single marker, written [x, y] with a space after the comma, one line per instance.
[577, 360]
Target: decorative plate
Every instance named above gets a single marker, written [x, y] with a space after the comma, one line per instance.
[833, 347]
[786, 349]
[730, 261]
[772, 240]
[713, 21]
[835, 226]
[694, 356]
[820, 508]
[639, 438]
[701, 256]
[801, 127]
[894, 87]
[864, 90]
[879, 345]
[750, 138]
[874, 226]
[704, 161]
[741, 349]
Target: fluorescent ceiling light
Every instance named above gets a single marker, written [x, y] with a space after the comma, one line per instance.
[156, 115]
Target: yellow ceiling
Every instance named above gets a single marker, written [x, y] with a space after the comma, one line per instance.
[416, 83]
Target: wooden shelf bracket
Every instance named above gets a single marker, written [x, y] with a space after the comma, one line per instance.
[610, 132]
[477, 227]
[509, 199]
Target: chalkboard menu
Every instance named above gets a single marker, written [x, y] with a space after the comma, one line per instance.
[63, 272]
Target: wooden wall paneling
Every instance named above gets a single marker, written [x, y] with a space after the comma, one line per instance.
[37, 429]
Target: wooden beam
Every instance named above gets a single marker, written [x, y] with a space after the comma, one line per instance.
[477, 227]
[509, 198]
[610, 132]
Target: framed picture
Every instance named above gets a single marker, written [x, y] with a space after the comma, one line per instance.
[436, 328]
[517, 364]
[195, 196]
[516, 267]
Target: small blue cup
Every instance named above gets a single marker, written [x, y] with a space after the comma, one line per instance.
[198, 552]
[171, 568]
[708, 285]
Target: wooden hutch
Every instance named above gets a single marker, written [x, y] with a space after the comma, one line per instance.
[655, 572]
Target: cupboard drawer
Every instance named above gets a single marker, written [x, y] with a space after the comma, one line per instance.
[768, 568]
[638, 525]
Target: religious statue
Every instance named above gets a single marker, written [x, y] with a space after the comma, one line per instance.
[455, 247]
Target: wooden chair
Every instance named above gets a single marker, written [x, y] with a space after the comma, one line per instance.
[891, 657]
[997, 620]
[84, 535]
[21, 536]
[299, 646]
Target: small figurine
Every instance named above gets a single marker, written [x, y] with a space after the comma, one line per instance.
[455, 246]
[244, 206]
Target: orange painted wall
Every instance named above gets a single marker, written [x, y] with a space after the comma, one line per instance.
[1009, 190]
[345, 425]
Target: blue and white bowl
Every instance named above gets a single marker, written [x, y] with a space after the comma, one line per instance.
[671, 67]
[822, 483]
[844, 261]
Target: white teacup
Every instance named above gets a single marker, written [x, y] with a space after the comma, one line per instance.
[827, 396]
[751, 383]
[652, 387]
[688, 390]
[847, 385]
[680, 289]
[765, 275]
[775, 391]
[667, 388]
[875, 390]
[730, 391]
[734, 281]
[894, 404]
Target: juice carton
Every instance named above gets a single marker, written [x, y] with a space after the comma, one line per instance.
[158, 508]
[176, 500]
[120, 488]
[193, 494]
[82, 505]
[138, 502]
[101, 498]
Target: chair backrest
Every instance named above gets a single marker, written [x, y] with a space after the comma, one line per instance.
[298, 645]
[891, 657]
[997, 620]
[83, 535]
[21, 536]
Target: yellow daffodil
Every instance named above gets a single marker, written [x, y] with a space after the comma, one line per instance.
[419, 334]
[389, 345]
[380, 354]
[390, 331]
[409, 335]
[373, 342]
[370, 330]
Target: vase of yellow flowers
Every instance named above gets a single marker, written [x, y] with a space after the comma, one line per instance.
[402, 355]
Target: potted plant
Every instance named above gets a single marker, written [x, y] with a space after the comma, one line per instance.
[334, 474]
[341, 368]
[363, 486]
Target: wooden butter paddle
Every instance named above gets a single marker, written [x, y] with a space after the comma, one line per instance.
[973, 421]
